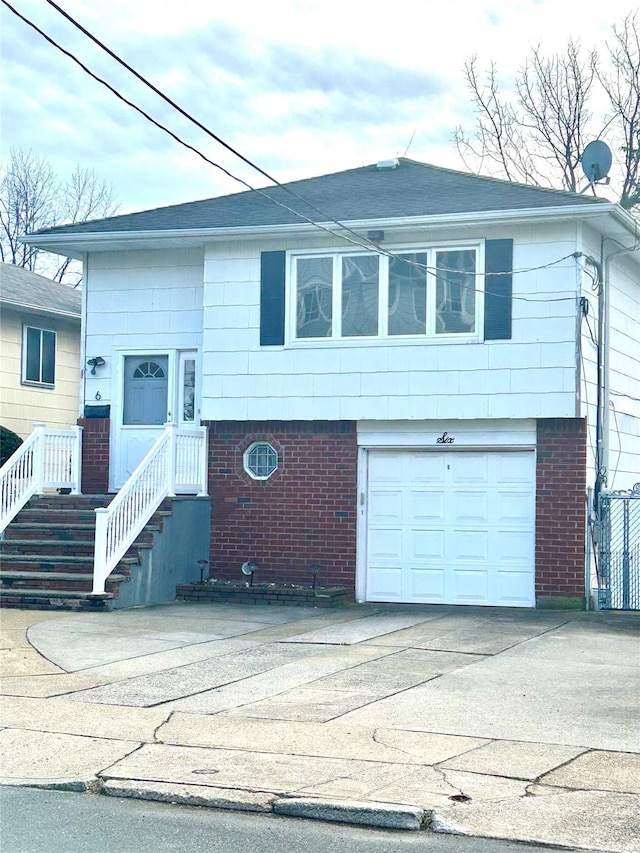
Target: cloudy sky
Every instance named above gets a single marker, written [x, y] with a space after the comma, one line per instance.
[302, 87]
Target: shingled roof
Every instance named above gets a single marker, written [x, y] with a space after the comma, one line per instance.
[410, 189]
[21, 288]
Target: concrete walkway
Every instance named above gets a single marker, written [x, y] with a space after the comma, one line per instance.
[514, 724]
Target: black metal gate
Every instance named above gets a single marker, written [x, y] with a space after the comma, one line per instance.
[619, 550]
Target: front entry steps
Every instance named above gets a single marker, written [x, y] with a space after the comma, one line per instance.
[46, 556]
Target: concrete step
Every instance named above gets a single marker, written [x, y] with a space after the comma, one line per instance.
[51, 599]
[57, 548]
[64, 531]
[46, 556]
[58, 581]
[42, 563]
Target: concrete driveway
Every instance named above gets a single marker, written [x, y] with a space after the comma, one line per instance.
[517, 724]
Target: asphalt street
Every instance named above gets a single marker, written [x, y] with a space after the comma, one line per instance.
[62, 822]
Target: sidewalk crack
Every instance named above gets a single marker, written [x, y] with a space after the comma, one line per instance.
[155, 737]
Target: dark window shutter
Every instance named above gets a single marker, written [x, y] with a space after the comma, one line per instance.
[272, 298]
[498, 258]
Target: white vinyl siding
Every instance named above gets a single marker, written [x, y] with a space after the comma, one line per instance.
[140, 301]
[411, 376]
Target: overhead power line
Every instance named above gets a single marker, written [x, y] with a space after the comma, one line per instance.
[358, 242]
[207, 130]
[369, 246]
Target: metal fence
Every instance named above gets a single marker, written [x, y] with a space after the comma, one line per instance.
[619, 550]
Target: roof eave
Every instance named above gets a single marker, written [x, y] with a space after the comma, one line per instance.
[207, 235]
[39, 310]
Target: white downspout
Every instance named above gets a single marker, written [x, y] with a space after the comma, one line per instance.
[83, 335]
[606, 330]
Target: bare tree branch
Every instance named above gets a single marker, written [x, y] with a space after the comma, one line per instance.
[623, 87]
[32, 197]
[535, 131]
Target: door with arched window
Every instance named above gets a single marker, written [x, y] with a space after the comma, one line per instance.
[150, 389]
[146, 386]
[144, 406]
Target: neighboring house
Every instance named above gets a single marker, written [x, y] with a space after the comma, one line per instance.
[413, 402]
[40, 339]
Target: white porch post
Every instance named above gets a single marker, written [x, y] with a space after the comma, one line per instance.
[100, 550]
[76, 462]
[38, 457]
[173, 457]
[204, 463]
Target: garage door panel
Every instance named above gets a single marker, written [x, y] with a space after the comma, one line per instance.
[425, 467]
[426, 544]
[451, 527]
[472, 507]
[514, 507]
[385, 468]
[384, 584]
[512, 588]
[425, 506]
[468, 467]
[385, 507]
[515, 468]
[469, 586]
[469, 545]
[513, 547]
[385, 545]
[426, 585]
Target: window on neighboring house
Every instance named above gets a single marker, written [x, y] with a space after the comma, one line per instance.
[38, 356]
[428, 293]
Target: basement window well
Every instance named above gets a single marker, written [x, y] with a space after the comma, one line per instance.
[260, 460]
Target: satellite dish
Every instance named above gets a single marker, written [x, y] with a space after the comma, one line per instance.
[596, 160]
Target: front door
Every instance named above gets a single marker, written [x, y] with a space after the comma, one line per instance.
[144, 411]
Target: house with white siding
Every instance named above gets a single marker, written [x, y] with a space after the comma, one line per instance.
[411, 377]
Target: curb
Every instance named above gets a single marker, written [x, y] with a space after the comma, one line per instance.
[381, 815]
[373, 814]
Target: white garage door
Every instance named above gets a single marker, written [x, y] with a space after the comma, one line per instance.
[451, 527]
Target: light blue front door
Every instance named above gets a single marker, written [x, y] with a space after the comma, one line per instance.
[145, 410]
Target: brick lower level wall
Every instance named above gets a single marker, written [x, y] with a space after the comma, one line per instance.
[305, 513]
[560, 508]
[95, 455]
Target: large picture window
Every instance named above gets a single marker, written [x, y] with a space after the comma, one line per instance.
[38, 356]
[429, 293]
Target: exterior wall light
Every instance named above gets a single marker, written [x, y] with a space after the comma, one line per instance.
[98, 361]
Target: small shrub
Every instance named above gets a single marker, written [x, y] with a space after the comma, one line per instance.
[9, 443]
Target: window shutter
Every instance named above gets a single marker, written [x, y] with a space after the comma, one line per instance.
[498, 258]
[272, 301]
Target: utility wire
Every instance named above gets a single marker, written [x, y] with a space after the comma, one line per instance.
[369, 246]
[180, 141]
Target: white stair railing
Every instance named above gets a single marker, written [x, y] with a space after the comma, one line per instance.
[176, 464]
[48, 459]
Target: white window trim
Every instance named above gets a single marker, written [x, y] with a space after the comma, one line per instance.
[246, 465]
[34, 383]
[183, 357]
[383, 337]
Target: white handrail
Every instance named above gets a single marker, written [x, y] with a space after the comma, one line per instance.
[48, 459]
[175, 464]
